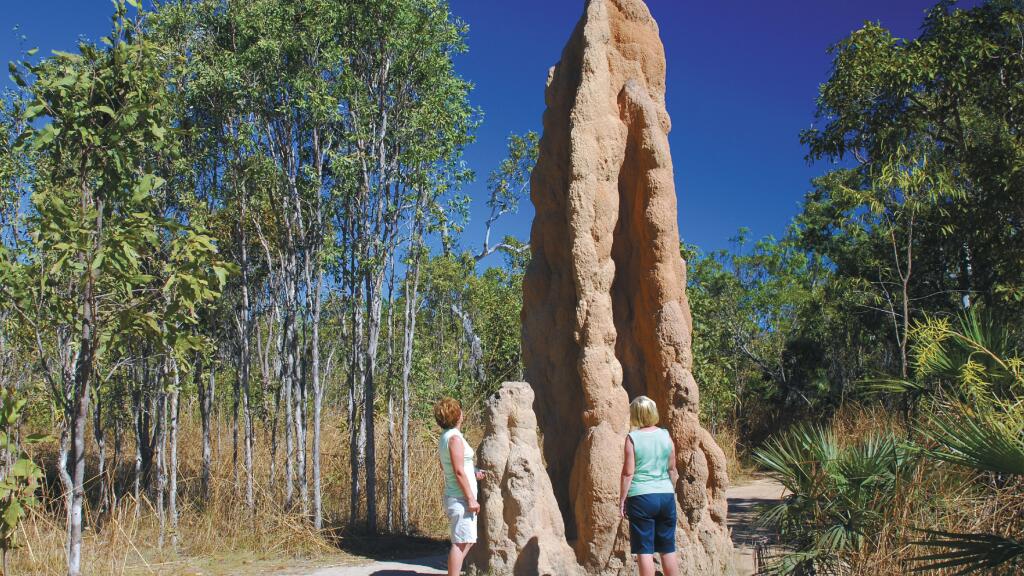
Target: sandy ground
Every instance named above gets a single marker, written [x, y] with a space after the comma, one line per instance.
[744, 502]
[432, 565]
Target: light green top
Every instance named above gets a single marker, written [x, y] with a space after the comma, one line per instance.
[451, 485]
[652, 449]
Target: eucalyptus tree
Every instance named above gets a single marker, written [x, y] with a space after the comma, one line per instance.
[407, 117]
[508, 184]
[100, 125]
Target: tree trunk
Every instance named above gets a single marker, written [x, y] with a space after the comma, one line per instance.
[411, 293]
[161, 465]
[172, 483]
[101, 453]
[78, 414]
[68, 486]
[244, 355]
[291, 371]
[205, 408]
[115, 499]
[140, 444]
[263, 350]
[391, 402]
[318, 393]
[243, 376]
[289, 442]
[236, 401]
[357, 414]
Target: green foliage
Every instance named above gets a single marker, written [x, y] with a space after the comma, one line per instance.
[491, 300]
[974, 421]
[19, 475]
[925, 211]
[970, 385]
[838, 494]
[99, 120]
[768, 332]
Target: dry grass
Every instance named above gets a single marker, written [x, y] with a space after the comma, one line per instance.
[219, 535]
[934, 496]
[739, 469]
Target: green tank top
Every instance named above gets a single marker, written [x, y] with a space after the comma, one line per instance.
[451, 485]
[652, 450]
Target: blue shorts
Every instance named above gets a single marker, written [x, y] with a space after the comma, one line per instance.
[652, 523]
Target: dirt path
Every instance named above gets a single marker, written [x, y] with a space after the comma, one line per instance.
[744, 501]
[418, 567]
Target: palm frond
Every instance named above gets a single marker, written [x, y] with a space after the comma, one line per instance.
[967, 553]
[881, 386]
[989, 441]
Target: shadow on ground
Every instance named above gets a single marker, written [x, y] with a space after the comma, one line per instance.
[435, 563]
[743, 513]
[383, 548]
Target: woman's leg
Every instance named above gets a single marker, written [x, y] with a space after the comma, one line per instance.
[646, 564]
[455, 557]
[670, 564]
[665, 534]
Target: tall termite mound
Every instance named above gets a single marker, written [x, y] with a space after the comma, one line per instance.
[605, 314]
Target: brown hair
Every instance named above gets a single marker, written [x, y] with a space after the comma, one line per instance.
[447, 412]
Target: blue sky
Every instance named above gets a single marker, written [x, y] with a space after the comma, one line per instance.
[743, 77]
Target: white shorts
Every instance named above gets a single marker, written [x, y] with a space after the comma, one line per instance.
[461, 522]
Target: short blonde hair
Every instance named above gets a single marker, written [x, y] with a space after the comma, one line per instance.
[447, 413]
[643, 412]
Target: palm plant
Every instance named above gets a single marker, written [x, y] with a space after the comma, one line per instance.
[837, 495]
[963, 358]
[979, 426]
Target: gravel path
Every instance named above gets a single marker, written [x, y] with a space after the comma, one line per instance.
[744, 501]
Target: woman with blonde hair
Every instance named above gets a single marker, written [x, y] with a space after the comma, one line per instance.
[460, 478]
[647, 495]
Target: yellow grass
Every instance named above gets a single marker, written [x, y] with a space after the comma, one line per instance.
[219, 535]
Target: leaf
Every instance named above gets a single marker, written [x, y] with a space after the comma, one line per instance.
[983, 442]
[45, 136]
[222, 275]
[13, 513]
[106, 110]
[32, 111]
[24, 468]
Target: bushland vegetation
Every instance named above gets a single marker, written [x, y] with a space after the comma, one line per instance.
[870, 358]
[234, 276]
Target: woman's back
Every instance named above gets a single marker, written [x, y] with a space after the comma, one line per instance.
[652, 449]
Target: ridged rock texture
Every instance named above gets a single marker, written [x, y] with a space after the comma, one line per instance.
[605, 314]
[520, 529]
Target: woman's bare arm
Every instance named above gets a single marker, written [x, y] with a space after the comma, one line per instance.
[457, 452]
[628, 468]
[673, 472]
